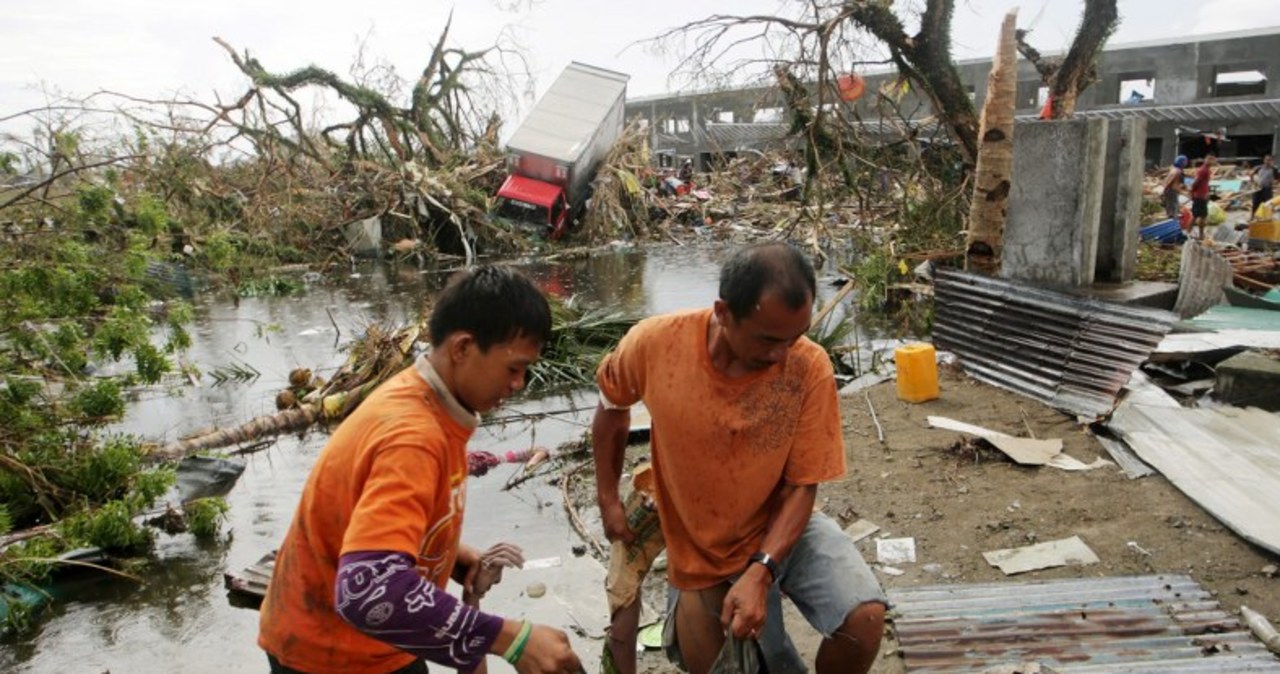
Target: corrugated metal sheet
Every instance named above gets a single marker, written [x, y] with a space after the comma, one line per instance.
[1265, 109]
[1072, 353]
[1202, 275]
[1165, 624]
[562, 123]
[1224, 459]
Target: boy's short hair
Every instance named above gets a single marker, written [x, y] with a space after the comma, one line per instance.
[494, 304]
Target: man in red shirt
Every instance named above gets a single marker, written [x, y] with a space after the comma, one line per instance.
[1200, 194]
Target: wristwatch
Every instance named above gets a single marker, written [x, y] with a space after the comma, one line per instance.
[763, 559]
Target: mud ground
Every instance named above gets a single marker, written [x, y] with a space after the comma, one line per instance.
[959, 499]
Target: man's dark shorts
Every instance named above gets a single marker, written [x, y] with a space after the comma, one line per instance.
[1199, 208]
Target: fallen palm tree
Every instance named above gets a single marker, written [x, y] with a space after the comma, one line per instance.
[579, 339]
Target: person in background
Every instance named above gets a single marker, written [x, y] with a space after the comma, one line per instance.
[359, 583]
[746, 425]
[1173, 186]
[1200, 194]
[1264, 177]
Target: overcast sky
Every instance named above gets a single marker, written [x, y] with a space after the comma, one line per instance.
[155, 47]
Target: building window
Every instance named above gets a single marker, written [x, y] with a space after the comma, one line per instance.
[673, 125]
[973, 94]
[1137, 88]
[723, 116]
[767, 116]
[1239, 82]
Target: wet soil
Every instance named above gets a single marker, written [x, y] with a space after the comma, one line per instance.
[959, 499]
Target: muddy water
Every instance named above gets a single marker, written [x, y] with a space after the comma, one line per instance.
[178, 619]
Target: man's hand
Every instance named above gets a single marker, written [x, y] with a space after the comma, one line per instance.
[615, 522]
[548, 652]
[486, 571]
[744, 607]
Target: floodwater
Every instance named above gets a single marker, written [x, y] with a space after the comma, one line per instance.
[178, 619]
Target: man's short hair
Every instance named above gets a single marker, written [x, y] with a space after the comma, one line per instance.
[494, 304]
[778, 268]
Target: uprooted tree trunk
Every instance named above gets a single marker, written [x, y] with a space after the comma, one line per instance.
[985, 235]
[1070, 75]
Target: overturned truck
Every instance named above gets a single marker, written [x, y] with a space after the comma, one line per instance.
[553, 156]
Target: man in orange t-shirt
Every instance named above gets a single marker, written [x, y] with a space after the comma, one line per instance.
[359, 582]
[745, 426]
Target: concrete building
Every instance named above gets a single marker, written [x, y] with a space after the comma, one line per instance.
[1218, 92]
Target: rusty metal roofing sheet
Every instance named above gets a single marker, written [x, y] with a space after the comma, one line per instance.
[1166, 624]
[1224, 459]
[1072, 353]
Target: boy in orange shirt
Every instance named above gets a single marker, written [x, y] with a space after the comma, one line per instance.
[359, 582]
[746, 424]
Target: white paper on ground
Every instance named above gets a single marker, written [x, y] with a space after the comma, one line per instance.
[895, 550]
[1064, 552]
[861, 529]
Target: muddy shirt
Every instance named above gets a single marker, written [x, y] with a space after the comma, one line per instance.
[392, 478]
[722, 446]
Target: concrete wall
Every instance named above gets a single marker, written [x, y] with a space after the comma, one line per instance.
[1121, 200]
[1055, 202]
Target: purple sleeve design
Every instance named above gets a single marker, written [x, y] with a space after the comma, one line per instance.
[382, 595]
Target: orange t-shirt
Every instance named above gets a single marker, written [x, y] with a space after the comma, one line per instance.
[391, 478]
[722, 446]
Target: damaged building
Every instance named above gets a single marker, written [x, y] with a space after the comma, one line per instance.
[1210, 93]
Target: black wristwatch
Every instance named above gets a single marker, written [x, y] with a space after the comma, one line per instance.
[763, 559]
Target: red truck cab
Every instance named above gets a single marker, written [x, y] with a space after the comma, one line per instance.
[534, 204]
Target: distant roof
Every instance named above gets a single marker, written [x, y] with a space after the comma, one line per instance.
[561, 124]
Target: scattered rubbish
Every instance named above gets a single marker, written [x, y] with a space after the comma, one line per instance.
[874, 419]
[895, 550]
[1071, 353]
[868, 380]
[892, 570]
[1047, 555]
[861, 529]
[1261, 628]
[1223, 458]
[650, 636]
[1068, 462]
[1165, 231]
[1270, 570]
[1129, 462]
[1133, 545]
[535, 590]
[542, 563]
[1026, 451]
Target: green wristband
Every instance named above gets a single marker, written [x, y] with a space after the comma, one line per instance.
[516, 649]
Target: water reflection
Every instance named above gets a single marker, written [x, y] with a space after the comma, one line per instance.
[178, 619]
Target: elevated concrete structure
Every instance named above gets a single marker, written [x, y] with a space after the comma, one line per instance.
[1225, 83]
